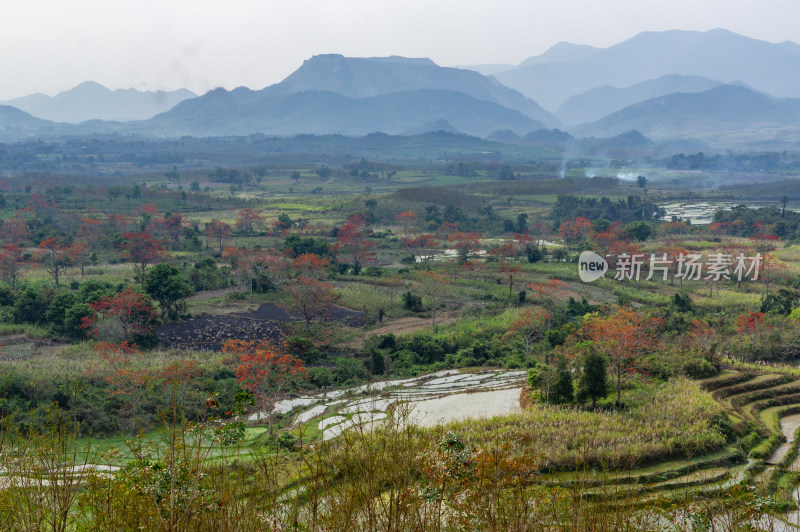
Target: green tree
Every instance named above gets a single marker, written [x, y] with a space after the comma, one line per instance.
[522, 223]
[74, 319]
[57, 310]
[640, 231]
[167, 285]
[543, 378]
[641, 181]
[564, 392]
[592, 384]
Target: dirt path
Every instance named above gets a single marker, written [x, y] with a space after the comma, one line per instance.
[209, 294]
[407, 325]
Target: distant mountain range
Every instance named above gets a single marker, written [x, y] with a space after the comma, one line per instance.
[566, 70]
[730, 109]
[596, 103]
[221, 113]
[714, 87]
[336, 94]
[365, 77]
[92, 101]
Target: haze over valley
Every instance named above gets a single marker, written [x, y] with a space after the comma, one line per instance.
[716, 88]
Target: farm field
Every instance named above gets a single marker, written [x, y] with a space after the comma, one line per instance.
[341, 343]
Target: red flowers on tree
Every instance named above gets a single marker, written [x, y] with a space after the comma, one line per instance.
[423, 246]
[265, 370]
[353, 242]
[248, 221]
[310, 297]
[464, 244]
[749, 323]
[119, 367]
[624, 337]
[578, 231]
[121, 316]
[218, 230]
[405, 219]
[142, 249]
[310, 265]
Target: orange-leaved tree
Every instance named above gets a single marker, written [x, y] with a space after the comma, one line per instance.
[625, 337]
[265, 370]
[547, 292]
[310, 297]
[310, 265]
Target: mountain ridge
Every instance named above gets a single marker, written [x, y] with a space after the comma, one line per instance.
[90, 100]
[716, 54]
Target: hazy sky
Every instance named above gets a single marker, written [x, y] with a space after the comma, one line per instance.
[52, 45]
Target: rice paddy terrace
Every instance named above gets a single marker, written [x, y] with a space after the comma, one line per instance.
[761, 419]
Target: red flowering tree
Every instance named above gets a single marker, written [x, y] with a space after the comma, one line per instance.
[578, 231]
[171, 226]
[15, 231]
[465, 244]
[79, 255]
[265, 370]
[750, 323]
[310, 265]
[423, 246]
[248, 221]
[702, 334]
[546, 292]
[178, 378]
[122, 316]
[510, 269]
[354, 242]
[310, 297]
[119, 366]
[142, 249]
[624, 337]
[219, 231]
[406, 218]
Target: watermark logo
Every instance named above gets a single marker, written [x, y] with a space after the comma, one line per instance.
[689, 267]
[591, 266]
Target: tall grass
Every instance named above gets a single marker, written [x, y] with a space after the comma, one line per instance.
[490, 475]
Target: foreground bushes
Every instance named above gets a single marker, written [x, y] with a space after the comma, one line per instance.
[487, 475]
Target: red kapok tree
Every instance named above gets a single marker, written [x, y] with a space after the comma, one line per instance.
[625, 337]
[265, 370]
